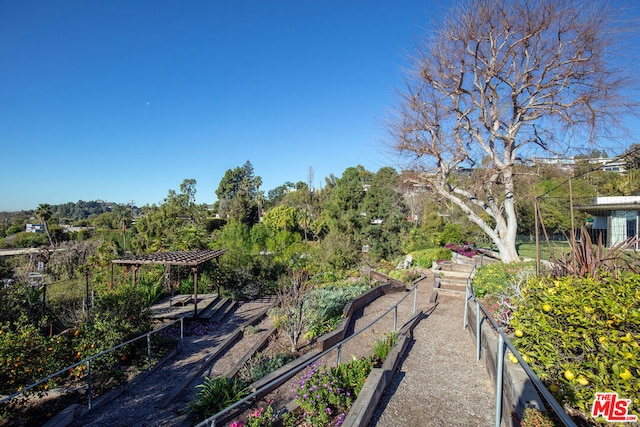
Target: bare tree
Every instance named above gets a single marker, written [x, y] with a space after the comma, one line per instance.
[499, 81]
[293, 292]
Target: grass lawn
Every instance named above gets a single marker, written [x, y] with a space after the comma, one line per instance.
[528, 249]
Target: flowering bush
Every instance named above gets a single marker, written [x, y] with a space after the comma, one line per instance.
[465, 250]
[258, 418]
[326, 394]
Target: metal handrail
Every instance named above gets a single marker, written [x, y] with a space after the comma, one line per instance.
[502, 341]
[88, 360]
[211, 421]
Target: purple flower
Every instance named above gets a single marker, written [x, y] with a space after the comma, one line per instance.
[328, 410]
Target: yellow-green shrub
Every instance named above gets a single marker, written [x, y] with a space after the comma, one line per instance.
[582, 335]
[426, 257]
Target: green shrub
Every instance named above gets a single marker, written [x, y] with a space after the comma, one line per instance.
[383, 346]
[451, 233]
[326, 305]
[215, 394]
[426, 257]
[582, 335]
[260, 365]
[30, 240]
[494, 279]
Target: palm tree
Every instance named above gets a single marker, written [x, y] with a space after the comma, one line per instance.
[124, 217]
[43, 213]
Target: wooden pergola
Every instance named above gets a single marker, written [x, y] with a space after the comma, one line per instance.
[191, 259]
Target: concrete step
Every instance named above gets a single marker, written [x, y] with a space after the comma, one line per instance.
[452, 280]
[452, 292]
[452, 273]
[453, 266]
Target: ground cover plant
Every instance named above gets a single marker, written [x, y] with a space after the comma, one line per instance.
[496, 278]
[426, 257]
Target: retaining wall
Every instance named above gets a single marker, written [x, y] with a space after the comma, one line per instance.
[518, 391]
[338, 334]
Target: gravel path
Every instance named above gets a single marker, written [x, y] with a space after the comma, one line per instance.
[439, 382]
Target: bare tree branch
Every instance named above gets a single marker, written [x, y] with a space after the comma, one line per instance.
[500, 78]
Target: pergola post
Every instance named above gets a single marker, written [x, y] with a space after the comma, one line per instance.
[133, 278]
[218, 275]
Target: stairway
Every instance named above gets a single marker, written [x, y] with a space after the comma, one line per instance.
[218, 310]
[451, 277]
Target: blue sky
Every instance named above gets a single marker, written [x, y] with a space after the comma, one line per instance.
[122, 100]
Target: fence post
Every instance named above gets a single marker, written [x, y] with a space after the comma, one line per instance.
[149, 350]
[89, 395]
[478, 330]
[499, 367]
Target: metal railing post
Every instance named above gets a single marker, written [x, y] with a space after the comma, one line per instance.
[181, 334]
[466, 302]
[478, 330]
[415, 298]
[339, 354]
[149, 351]
[89, 393]
[499, 367]
[395, 318]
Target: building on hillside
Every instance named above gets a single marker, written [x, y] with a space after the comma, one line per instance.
[615, 219]
[34, 228]
[610, 164]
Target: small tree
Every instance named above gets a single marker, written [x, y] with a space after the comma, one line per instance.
[293, 292]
